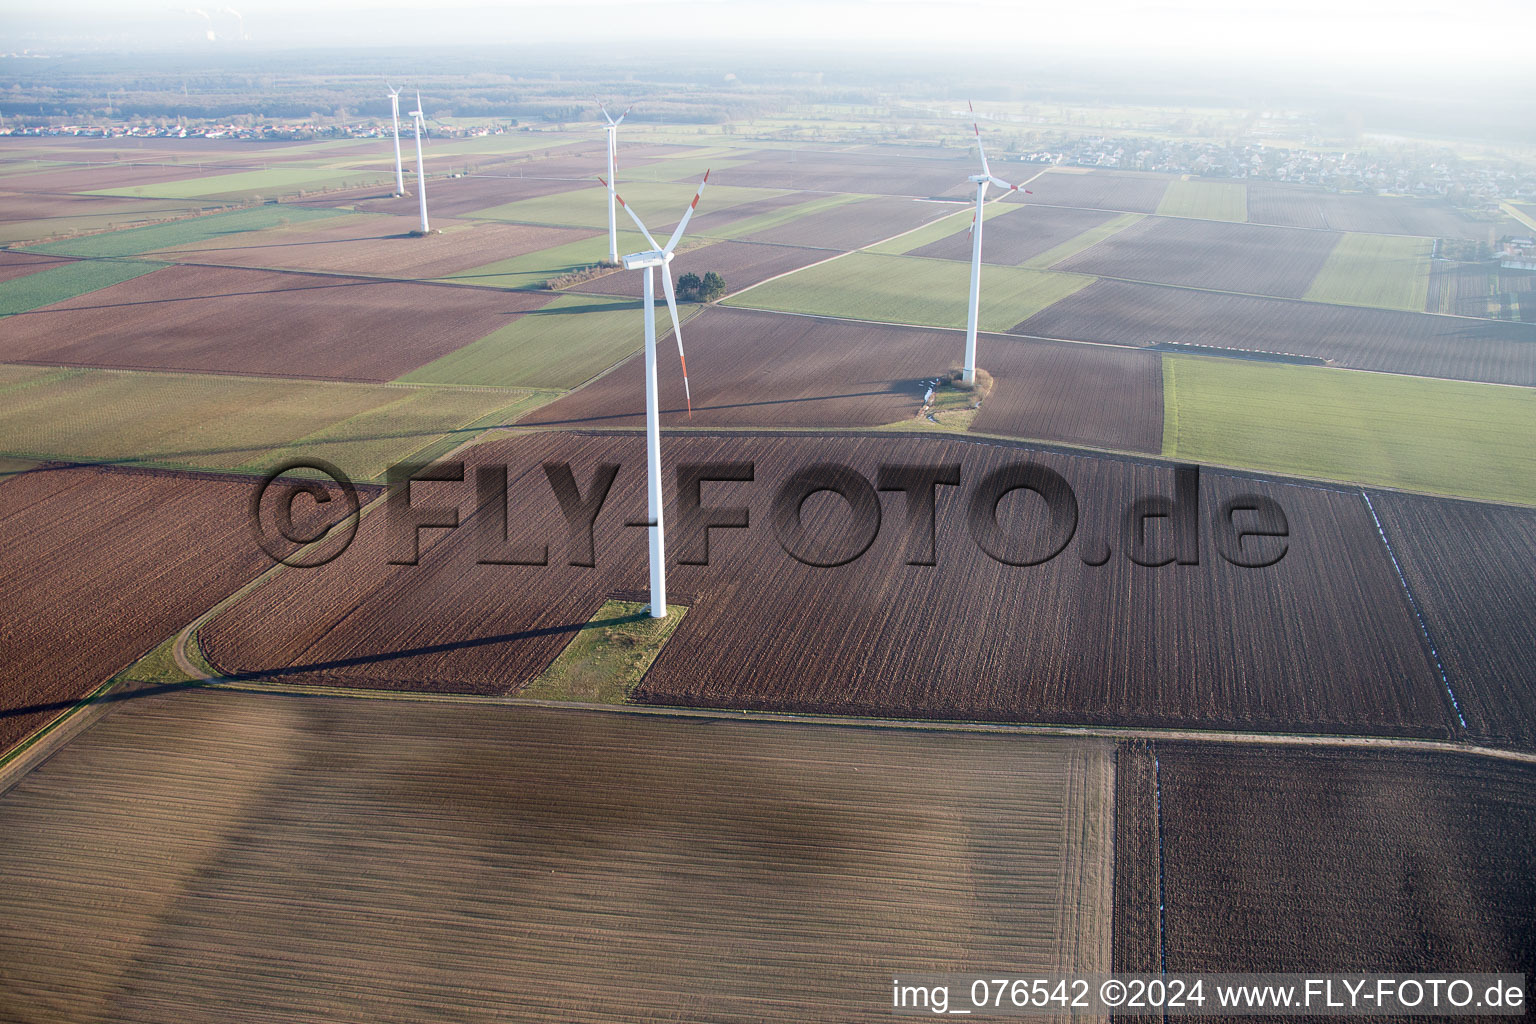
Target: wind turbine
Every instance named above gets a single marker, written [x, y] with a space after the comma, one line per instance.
[613, 142]
[648, 261]
[982, 180]
[421, 169]
[394, 113]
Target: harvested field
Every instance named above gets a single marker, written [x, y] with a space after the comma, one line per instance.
[909, 290]
[723, 223]
[1366, 861]
[846, 170]
[1209, 254]
[1124, 313]
[1075, 394]
[1302, 207]
[741, 264]
[852, 225]
[74, 178]
[1121, 191]
[1138, 926]
[477, 864]
[457, 197]
[1481, 289]
[101, 565]
[1469, 567]
[219, 320]
[1390, 271]
[374, 246]
[756, 369]
[1017, 236]
[187, 421]
[1212, 645]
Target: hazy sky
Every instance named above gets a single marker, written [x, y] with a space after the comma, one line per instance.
[1388, 34]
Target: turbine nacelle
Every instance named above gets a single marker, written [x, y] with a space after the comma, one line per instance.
[649, 258]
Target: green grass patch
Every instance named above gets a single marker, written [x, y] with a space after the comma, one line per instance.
[939, 229]
[658, 203]
[197, 421]
[191, 231]
[1072, 246]
[908, 290]
[561, 345]
[608, 657]
[158, 666]
[281, 180]
[782, 216]
[1388, 271]
[1205, 200]
[1415, 433]
[33, 291]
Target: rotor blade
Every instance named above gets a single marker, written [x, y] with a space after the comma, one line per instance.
[677, 332]
[677, 232]
[633, 216]
[1000, 183]
[979, 151]
[624, 115]
[605, 113]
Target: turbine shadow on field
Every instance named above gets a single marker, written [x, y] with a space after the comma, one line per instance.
[681, 410]
[256, 675]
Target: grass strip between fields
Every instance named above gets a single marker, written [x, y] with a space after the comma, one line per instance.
[939, 230]
[783, 215]
[1387, 271]
[608, 656]
[1087, 240]
[1446, 437]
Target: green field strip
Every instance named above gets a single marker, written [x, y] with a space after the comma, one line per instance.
[561, 345]
[1387, 271]
[418, 420]
[657, 202]
[531, 270]
[189, 231]
[218, 422]
[1205, 200]
[777, 218]
[1072, 246]
[909, 290]
[268, 183]
[608, 656]
[1414, 433]
[938, 230]
[67, 281]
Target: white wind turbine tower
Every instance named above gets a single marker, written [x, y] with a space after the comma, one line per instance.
[648, 261]
[421, 169]
[394, 113]
[613, 141]
[981, 181]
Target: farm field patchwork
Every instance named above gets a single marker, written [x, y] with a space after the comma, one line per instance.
[1366, 861]
[1416, 433]
[583, 867]
[1127, 313]
[374, 245]
[737, 222]
[1060, 641]
[533, 271]
[1297, 206]
[202, 230]
[65, 279]
[449, 197]
[659, 204]
[15, 263]
[848, 225]
[267, 183]
[103, 564]
[1482, 290]
[1469, 567]
[1024, 233]
[228, 422]
[33, 218]
[909, 290]
[850, 169]
[1209, 254]
[1119, 191]
[1390, 271]
[219, 320]
[568, 341]
[1206, 200]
